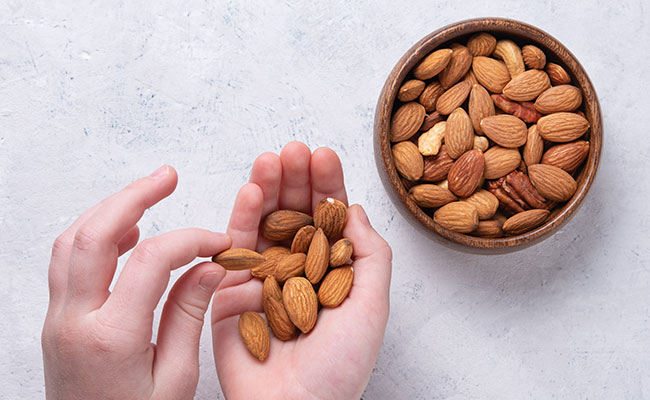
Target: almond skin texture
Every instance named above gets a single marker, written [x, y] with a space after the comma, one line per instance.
[558, 99]
[255, 334]
[453, 98]
[500, 162]
[408, 160]
[276, 315]
[430, 95]
[437, 167]
[336, 286]
[276, 253]
[525, 221]
[481, 44]
[552, 182]
[527, 85]
[290, 266]
[318, 257]
[488, 229]
[431, 196]
[534, 147]
[480, 106]
[485, 202]
[534, 58]
[301, 241]
[510, 53]
[459, 216]
[459, 64]
[568, 156]
[341, 252]
[410, 90]
[330, 215]
[283, 224]
[460, 134]
[238, 259]
[562, 127]
[301, 303]
[431, 120]
[466, 173]
[267, 268]
[271, 288]
[491, 73]
[505, 130]
[470, 77]
[557, 74]
[406, 121]
[432, 64]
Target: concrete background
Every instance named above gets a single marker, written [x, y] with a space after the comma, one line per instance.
[96, 94]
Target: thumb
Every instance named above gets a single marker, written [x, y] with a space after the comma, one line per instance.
[176, 365]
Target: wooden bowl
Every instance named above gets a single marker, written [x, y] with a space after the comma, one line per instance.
[522, 34]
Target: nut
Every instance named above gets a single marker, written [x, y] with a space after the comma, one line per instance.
[238, 259]
[406, 121]
[437, 167]
[459, 216]
[488, 229]
[432, 64]
[506, 130]
[330, 215]
[283, 224]
[500, 161]
[485, 202]
[453, 98]
[408, 160]
[318, 257]
[481, 44]
[466, 173]
[527, 85]
[255, 334]
[301, 303]
[459, 64]
[552, 182]
[290, 266]
[491, 73]
[481, 143]
[534, 147]
[480, 106]
[510, 53]
[559, 98]
[557, 74]
[301, 241]
[429, 142]
[431, 196]
[525, 111]
[429, 96]
[336, 286]
[459, 136]
[525, 221]
[276, 314]
[410, 90]
[562, 127]
[340, 252]
[534, 58]
[568, 156]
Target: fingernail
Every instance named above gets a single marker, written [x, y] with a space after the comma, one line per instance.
[210, 281]
[160, 172]
[363, 216]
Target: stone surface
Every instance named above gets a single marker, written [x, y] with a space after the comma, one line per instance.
[95, 95]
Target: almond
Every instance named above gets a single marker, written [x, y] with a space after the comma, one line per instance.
[481, 44]
[271, 288]
[255, 334]
[453, 98]
[431, 196]
[336, 286]
[568, 156]
[430, 95]
[290, 266]
[429, 142]
[238, 259]
[471, 78]
[488, 229]
[276, 314]
[510, 53]
[406, 121]
[485, 202]
[525, 221]
[557, 74]
[459, 64]
[534, 58]
[460, 134]
[500, 162]
[276, 253]
[267, 268]
[480, 106]
[437, 167]
[527, 85]
[559, 98]
[283, 224]
[562, 127]
[301, 241]
[432, 64]
[410, 90]
[534, 147]
[466, 173]
[552, 182]
[491, 73]
[458, 216]
[318, 257]
[408, 160]
[431, 120]
[330, 215]
[341, 252]
[301, 303]
[505, 130]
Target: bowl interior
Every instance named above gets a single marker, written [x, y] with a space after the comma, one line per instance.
[521, 34]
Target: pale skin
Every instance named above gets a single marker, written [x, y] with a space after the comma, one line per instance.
[97, 344]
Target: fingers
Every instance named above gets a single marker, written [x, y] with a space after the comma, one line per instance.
[129, 240]
[94, 250]
[326, 177]
[295, 193]
[267, 174]
[146, 274]
[176, 366]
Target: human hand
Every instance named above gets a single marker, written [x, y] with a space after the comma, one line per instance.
[97, 344]
[335, 360]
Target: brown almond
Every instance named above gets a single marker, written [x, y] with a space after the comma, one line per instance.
[562, 127]
[559, 98]
[283, 224]
[301, 241]
[568, 156]
[318, 257]
[500, 161]
[485, 202]
[255, 334]
[488, 229]
[491, 73]
[430, 95]
[459, 136]
[431, 196]
[432, 64]
[481, 44]
[557, 74]
[238, 259]
[505, 130]
[330, 215]
[466, 173]
[534, 58]
[534, 147]
[437, 167]
[459, 64]
[267, 268]
[271, 288]
[552, 182]
[431, 120]
[459, 216]
[453, 98]
[408, 160]
[406, 121]
[471, 78]
[525, 221]
[336, 287]
[301, 303]
[276, 315]
[276, 252]
[480, 106]
[290, 266]
[410, 90]
[341, 252]
[527, 85]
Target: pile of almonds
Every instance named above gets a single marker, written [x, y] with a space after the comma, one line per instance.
[488, 136]
[293, 275]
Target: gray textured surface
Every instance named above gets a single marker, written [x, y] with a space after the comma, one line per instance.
[93, 96]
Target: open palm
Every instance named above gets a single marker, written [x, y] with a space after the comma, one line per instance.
[335, 359]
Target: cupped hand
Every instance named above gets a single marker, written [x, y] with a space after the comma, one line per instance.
[335, 359]
[97, 344]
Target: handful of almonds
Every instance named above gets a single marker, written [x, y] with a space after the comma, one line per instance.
[298, 278]
[488, 136]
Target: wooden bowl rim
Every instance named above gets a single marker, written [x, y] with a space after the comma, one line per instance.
[383, 154]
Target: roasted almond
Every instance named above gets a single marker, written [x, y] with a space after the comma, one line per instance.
[410, 90]
[318, 257]
[238, 259]
[459, 216]
[510, 53]
[557, 74]
[500, 161]
[453, 98]
[505, 130]
[562, 127]
[558, 99]
[271, 288]
[283, 224]
[534, 58]
[431, 196]
[525, 221]
[480, 106]
[432, 64]
[276, 253]
[466, 173]
[255, 334]
[481, 44]
[336, 286]
[485, 202]
[406, 121]
[471, 78]
[552, 182]
[568, 156]
[431, 120]
[408, 160]
[341, 252]
[527, 85]
[301, 303]
[301, 241]
[491, 73]
[267, 268]
[430, 95]
[534, 147]
[488, 229]
[437, 167]
[460, 134]
[330, 215]
[276, 315]
[290, 266]
[459, 64]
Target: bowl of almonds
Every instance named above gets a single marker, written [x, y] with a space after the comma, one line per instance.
[488, 135]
